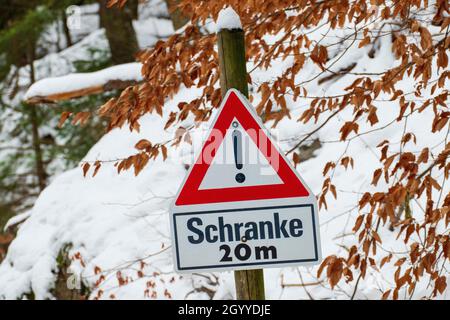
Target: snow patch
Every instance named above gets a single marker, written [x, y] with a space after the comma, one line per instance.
[228, 19]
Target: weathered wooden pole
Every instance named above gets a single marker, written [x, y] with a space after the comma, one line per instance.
[233, 74]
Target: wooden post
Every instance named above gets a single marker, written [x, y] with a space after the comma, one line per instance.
[233, 74]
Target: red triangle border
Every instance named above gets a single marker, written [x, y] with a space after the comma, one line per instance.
[191, 195]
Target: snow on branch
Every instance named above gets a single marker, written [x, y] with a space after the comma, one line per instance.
[17, 219]
[228, 19]
[81, 84]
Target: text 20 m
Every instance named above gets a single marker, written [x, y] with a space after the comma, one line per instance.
[243, 252]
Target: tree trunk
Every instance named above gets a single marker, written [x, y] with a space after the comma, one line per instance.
[40, 169]
[119, 32]
[233, 74]
[177, 17]
[34, 120]
[66, 29]
[134, 8]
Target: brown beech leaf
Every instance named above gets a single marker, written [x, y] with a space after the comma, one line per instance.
[143, 144]
[97, 166]
[423, 157]
[364, 42]
[372, 117]
[296, 159]
[81, 117]
[386, 295]
[425, 38]
[86, 167]
[119, 3]
[386, 260]
[164, 151]
[376, 236]
[172, 118]
[441, 284]
[358, 223]
[325, 263]
[334, 272]
[63, 118]
[376, 176]
[347, 128]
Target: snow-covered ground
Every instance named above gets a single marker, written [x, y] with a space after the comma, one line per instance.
[118, 224]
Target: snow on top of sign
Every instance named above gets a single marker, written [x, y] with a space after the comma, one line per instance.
[228, 19]
[78, 81]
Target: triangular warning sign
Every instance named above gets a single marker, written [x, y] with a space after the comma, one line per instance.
[239, 162]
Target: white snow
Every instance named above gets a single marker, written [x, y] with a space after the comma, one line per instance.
[78, 81]
[17, 219]
[150, 30]
[228, 19]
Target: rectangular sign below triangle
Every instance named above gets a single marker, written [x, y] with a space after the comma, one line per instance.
[242, 205]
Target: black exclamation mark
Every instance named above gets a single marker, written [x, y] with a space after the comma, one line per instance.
[237, 146]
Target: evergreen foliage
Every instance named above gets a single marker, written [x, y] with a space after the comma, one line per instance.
[18, 39]
[62, 148]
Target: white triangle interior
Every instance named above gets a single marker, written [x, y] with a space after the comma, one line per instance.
[223, 170]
